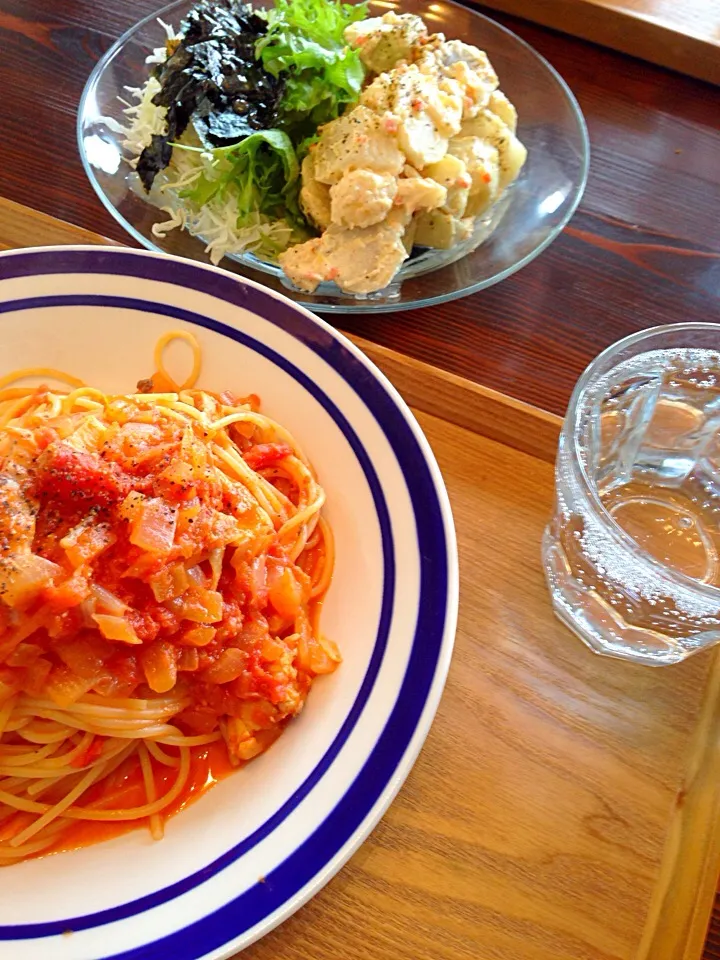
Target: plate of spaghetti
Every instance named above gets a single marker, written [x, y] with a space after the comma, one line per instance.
[228, 593]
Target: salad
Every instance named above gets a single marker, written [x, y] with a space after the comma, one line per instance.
[321, 139]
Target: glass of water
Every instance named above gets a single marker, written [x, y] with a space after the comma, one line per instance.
[632, 554]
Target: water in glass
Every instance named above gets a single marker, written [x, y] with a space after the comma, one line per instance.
[633, 552]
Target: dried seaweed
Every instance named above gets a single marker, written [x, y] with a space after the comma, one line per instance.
[213, 80]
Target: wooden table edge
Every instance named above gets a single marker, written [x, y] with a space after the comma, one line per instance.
[671, 932]
[691, 860]
[622, 28]
[453, 398]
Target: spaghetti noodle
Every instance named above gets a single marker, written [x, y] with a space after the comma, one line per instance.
[163, 563]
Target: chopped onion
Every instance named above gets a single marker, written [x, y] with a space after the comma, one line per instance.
[216, 564]
[131, 504]
[229, 666]
[116, 628]
[203, 606]
[23, 577]
[108, 601]
[196, 576]
[199, 636]
[159, 663]
[87, 609]
[285, 593]
[152, 527]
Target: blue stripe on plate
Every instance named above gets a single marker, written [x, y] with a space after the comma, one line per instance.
[26, 931]
[240, 915]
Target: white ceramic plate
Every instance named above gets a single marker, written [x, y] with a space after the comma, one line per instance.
[257, 846]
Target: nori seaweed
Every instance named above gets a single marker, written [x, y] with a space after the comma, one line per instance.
[213, 79]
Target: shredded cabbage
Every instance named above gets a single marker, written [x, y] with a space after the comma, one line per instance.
[245, 197]
[217, 219]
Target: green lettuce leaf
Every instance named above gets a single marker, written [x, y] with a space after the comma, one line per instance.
[262, 171]
[305, 46]
[258, 175]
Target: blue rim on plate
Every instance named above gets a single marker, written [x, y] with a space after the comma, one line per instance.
[309, 866]
[472, 278]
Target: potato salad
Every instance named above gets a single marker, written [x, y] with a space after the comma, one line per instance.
[430, 146]
[319, 139]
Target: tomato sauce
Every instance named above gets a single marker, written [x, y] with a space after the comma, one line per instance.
[208, 765]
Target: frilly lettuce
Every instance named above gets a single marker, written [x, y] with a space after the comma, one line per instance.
[305, 47]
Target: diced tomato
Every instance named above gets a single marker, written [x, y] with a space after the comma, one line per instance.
[73, 476]
[68, 594]
[144, 625]
[167, 622]
[264, 455]
[44, 436]
[255, 681]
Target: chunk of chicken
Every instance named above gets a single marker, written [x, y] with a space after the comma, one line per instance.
[314, 196]
[357, 140]
[359, 259]
[361, 198]
[383, 41]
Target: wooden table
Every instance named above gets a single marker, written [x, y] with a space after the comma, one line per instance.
[643, 249]
[684, 36]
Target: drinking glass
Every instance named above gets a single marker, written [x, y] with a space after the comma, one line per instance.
[632, 553]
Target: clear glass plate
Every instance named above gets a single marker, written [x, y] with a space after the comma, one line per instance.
[526, 219]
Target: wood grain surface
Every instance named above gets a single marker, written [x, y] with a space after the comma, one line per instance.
[566, 806]
[681, 34]
[643, 249]
[424, 387]
[534, 825]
